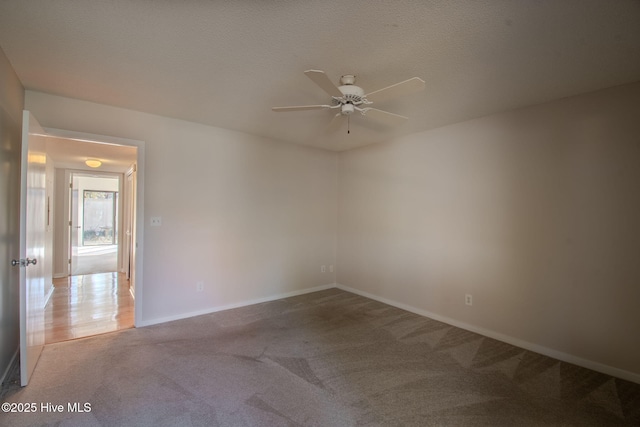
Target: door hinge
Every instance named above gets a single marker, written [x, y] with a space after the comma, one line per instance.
[69, 260]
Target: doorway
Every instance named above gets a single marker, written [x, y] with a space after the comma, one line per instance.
[95, 215]
[93, 285]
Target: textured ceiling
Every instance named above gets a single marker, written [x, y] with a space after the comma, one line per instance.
[226, 63]
[71, 154]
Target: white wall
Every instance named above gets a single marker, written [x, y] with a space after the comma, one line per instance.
[11, 104]
[250, 217]
[534, 212]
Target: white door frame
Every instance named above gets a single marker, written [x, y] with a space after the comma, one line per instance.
[128, 226]
[139, 202]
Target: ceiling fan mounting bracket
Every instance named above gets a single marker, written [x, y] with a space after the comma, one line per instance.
[348, 79]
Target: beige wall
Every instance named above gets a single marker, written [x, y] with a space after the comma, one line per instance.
[250, 217]
[534, 212]
[11, 104]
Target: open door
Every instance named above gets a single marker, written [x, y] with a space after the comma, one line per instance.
[32, 243]
[129, 226]
[74, 224]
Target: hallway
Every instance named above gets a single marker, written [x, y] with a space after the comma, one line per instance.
[88, 305]
[95, 259]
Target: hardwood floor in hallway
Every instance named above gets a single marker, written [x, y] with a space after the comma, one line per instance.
[88, 305]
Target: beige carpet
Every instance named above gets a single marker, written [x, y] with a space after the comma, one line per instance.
[328, 358]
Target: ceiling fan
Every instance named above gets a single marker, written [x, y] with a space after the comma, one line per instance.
[349, 98]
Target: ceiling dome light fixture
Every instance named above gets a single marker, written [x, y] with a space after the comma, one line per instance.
[93, 163]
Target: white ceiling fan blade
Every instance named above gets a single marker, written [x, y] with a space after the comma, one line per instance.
[300, 108]
[334, 124]
[406, 87]
[384, 117]
[321, 79]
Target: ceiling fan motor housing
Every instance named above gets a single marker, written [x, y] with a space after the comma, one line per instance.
[352, 95]
[351, 91]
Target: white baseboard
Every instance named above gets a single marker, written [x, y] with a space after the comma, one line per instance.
[236, 305]
[12, 363]
[589, 364]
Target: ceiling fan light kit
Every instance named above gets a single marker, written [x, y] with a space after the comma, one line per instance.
[349, 98]
[348, 109]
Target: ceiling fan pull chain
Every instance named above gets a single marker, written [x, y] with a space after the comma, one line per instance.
[348, 124]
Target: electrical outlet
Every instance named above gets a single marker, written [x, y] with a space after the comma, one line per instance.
[468, 299]
[323, 269]
[200, 286]
[156, 221]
